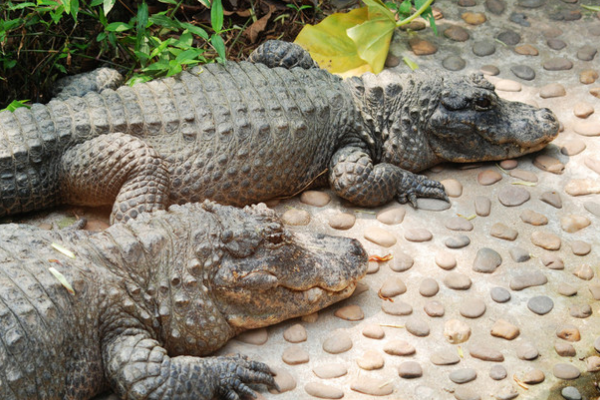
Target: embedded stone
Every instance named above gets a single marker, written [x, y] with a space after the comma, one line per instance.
[422, 47]
[533, 377]
[417, 326]
[564, 349]
[500, 295]
[295, 334]
[552, 90]
[296, 217]
[549, 164]
[565, 371]
[429, 287]
[472, 308]
[593, 164]
[256, 337]
[584, 272]
[509, 164]
[512, 196]
[323, 391]
[401, 262]
[586, 53]
[483, 206]
[488, 177]
[498, 372]
[495, 6]
[342, 221]
[546, 240]
[487, 260]
[501, 231]
[391, 216]
[410, 370]
[490, 70]
[457, 33]
[527, 50]
[570, 393]
[396, 308]
[533, 218]
[507, 85]
[445, 260]
[456, 331]
[574, 223]
[473, 18]
[463, 375]
[329, 371]
[504, 329]
[418, 235]
[370, 360]
[568, 332]
[588, 76]
[592, 364]
[519, 254]
[337, 342]
[373, 331]
[373, 387]
[457, 281]
[524, 72]
[583, 109]
[379, 236]
[531, 3]
[458, 224]
[486, 353]
[552, 198]
[446, 357]
[399, 348]
[528, 279]
[284, 380]
[315, 198]
[295, 355]
[592, 207]
[523, 175]
[483, 48]
[594, 290]
[527, 351]
[434, 309]
[581, 248]
[595, 91]
[457, 242]
[556, 44]
[580, 310]
[392, 287]
[567, 290]
[350, 313]
[586, 128]
[432, 204]
[465, 393]
[372, 267]
[557, 64]
[454, 63]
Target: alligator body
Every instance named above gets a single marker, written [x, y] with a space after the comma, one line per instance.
[151, 297]
[243, 132]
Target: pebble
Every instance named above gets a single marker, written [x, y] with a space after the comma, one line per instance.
[422, 47]
[552, 198]
[593, 164]
[342, 221]
[566, 15]
[472, 308]
[509, 164]
[483, 48]
[315, 198]
[396, 308]
[490, 70]
[337, 342]
[584, 272]
[429, 287]
[474, 18]
[519, 254]
[392, 60]
[417, 326]
[595, 291]
[597, 344]
[257, 337]
[524, 72]
[580, 248]
[498, 372]
[583, 109]
[495, 6]
[519, 18]
[434, 309]
[595, 91]
[557, 64]
[458, 224]
[487, 260]
[453, 187]
[457, 242]
[546, 240]
[527, 50]
[508, 85]
[549, 164]
[445, 260]
[588, 76]
[500, 295]
[372, 267]
[581, 187]
[565, 371]
[457, 281]
[533, 377]
[528, 279]
[592, 207]
[483, 206]
[401, 262]
[486, 353]
[552, 32]
[373, 387]
[313, 317]
[418, 235]
[580, 310]
[323, 391]
[527, 351]
[391, 216]
[463, 375]
[373, 331]
[531, 3]
[504, 329]
[432, 204]
[410, 370]
[573, 147]
[370, 360]
[467, 3]
[329, 371]
[379, 236]
[509, 38]
[567, 290]
[399, 348]
[295, 334]
[592, 364]
[444, 357]
[587, 53]
[564, 349]
[586, 128]
[533, 218]
[556, 44]
[295, 355]
[296, 217]
[284, 380]
[488, 177]
[574, 223]
[523, 175]
[570, 393]
[457, 33]
[454, 63]
[456, 331]
[568, 332]
[512, 196]
[350, 313]
[464, 393]
[392, 287]
[552, 90]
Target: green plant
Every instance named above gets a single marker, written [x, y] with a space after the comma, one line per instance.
[358, 41]
[16, 104]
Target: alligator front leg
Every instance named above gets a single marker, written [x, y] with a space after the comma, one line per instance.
[354, 177]
[115, 168]
[138, 368]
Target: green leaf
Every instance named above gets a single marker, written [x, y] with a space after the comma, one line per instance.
[185, 41]
[160, 65]
[174, 68]
[108, 5]
[16, 104]
[164, 21]
[405, 7]
[217, 43]
[196, 30]
[118, 27]
[216, 16]
[377, 7]
[142, 21]
[139, 79]
[411, 64]
[174, 2]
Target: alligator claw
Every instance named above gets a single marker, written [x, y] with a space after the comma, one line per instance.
[237, 372]
[413, 186]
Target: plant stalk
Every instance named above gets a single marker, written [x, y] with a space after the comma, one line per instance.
[415, 15]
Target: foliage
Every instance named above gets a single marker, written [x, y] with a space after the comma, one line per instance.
[16, 104]
[356, 42]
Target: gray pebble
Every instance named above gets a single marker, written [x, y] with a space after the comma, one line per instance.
[512, 196]
[566, 15]
[586, 53]
[429, 287]
[501, 231]
[396, 308]
[540, 304]
[498, 372]
[457, 33]
[527, 351]
[463, 375]
[597, 344]
[483, 206]
[401, 262]
[495, 6]
[490, 70]
[519, 254]
[506, 392]
[484, 48]
[465, 393]
[565, 371]
[434, 309]
[510, 38]
[457, 281]
[528, 279]
[531, 3]
[592, 207]
[473, 308]
[457, 242]
[580, 310]
[454, 63]
[523, 72]
[417, 326]
[565, 349]
[500, 295]
[486, 353]
[487, 260]
[447, 357]
[432, 204]
[458, 224]
[410, 370]
[557, 64]
[570, 393]
[519, 18]
[556, 44]
[552, 198]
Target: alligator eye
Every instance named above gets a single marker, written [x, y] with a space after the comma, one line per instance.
[483, 104]
[275, 237]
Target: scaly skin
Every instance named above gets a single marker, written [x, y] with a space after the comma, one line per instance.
[153, 296]
[243, 133]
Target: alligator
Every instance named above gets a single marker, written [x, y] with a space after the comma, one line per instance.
[137, 307]
[246, 132]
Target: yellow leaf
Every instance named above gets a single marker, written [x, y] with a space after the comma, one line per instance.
[372, 38]
[330, 46]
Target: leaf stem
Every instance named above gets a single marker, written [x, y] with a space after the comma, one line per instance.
[415, 15]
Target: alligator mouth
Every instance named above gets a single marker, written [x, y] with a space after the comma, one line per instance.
[316, 293]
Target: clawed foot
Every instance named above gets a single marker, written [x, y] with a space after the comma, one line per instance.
[414, 186]
[236, 372]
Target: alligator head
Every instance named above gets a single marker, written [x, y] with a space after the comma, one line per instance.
[268, 274]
